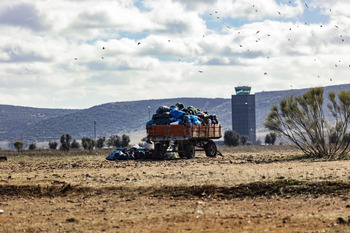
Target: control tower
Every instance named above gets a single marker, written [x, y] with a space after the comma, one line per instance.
[243, 113]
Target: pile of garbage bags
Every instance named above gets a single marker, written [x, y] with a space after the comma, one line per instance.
[178, 114]
[133, 153]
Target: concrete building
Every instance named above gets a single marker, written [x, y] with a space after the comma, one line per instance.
[243, 113]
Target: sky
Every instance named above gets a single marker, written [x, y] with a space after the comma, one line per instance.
[82, 53]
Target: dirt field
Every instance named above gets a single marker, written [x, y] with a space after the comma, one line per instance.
[249, 189]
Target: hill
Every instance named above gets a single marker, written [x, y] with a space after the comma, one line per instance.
[38, 124]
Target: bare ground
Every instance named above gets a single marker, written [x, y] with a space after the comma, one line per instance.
[249, 189]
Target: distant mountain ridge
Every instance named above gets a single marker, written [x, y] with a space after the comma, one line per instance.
[42, 124]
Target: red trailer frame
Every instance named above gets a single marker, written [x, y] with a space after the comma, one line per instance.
[185, 138]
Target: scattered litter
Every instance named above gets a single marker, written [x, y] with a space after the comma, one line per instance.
[199, 212]
[1, 211]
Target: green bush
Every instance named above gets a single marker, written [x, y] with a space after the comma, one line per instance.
[302, 120]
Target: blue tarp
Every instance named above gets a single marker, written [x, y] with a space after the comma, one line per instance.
[177, 114]
[194, 120]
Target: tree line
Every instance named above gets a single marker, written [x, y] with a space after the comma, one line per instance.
[66, 143]
[233, 138]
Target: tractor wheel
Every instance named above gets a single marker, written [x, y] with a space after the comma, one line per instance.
[210, 149]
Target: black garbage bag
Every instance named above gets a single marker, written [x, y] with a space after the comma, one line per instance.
[163, 109]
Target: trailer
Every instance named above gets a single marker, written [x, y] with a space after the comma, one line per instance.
[184, 139]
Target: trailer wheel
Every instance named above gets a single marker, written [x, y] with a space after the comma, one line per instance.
[181, 150]
[159, 151]
[210, 149]
[190, 150]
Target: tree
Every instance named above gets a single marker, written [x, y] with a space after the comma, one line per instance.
[125, 140]
[258, 142]
[270, 138]
[75, 144]
[18, 145]
[65, 142]
[243, 139]
[231, 138]
[114, 140]
[88, 143]
[100, 142]
[32, 146]
[273, 138]
[302, 120]
[53, 145]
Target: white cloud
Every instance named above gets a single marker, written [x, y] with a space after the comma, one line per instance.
[155, 49]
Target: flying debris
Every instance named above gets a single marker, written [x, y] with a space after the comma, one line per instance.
[336, 65]
[138, 43]
[306, 5]
[200, 71]
[241, 46]
[279, 13]
[331, 79]
[336, 26]
[75, 58]
[103, 47]
[257, 32]
[265, 73]
[103, 58]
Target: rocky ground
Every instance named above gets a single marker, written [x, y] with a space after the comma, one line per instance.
[248, 189]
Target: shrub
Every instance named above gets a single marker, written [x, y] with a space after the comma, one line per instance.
[65, 142]
[100, 142]
[88, 143]
[231, 138]
[53, 145]
[32, 146]
[75, 144]
[18, 145]
[302, 120]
